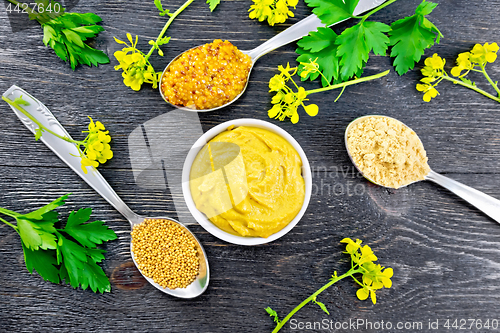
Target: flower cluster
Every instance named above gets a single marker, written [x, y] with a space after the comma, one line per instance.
[475, 60]
[97, 149]
[286, 101]
[375, 276]
[275, 11]
[432, 71]
[479, 56]
[136, 68]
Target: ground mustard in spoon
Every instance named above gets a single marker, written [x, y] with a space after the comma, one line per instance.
[189, 85]
[388, 153]
[69, 153]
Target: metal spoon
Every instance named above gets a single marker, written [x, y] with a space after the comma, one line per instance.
[296, 31]
[69, 153]
[487, 204]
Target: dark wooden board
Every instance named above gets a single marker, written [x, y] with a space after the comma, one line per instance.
[444, 252]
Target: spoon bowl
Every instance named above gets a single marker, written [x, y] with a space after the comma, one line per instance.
[70, 154]
[487, 204]
[296, 31]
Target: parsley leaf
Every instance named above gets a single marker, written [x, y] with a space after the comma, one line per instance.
[321, 45]
[332, 11]
[89, 234]
[355, 44]
[44, 262]
[56, 257]
[81, 266]
[213, 4]
[40, 212]
[66, 35]
[410, 37]
[34, 236]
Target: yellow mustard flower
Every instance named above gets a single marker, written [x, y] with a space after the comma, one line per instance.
[275, 11]
[97, 149]
[484, 53]
[277, 83]
[463, 64]
[136, 68]
[429, 91]
[434, 66]
[309, 67]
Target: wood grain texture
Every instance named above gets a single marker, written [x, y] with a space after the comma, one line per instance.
[445, 253]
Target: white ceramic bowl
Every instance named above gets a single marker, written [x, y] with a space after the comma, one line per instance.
[204, 221]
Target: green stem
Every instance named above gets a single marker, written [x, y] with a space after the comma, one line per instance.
[13, 226]
[351, 272]
[385, 4]
[33, 119]
[482, 92]
[170, 20]
[495, 86]
[33, 11]
[8, 212]
[349, 83]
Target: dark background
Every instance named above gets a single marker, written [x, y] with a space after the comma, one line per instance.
[444, 252]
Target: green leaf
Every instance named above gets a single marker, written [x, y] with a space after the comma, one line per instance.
[81, 268]
[66, 35]
[375, 37]
[93, 56]
[213, 4]
[39, 213]
[33, 236]
[355, 44]
[425, 8]
[158, 5]
[38, 133]
[352, 50]
[410, 37]
[163, 41]
[87, 234]
[73, 37]
[20, 101]
[326, 56]
[60, 50]
[321, 305]
[88, 31]
[43, 261]
[317, 40]
[273, 314]
[332, 11]
[86, 18]
[466, 80]
[160, 8]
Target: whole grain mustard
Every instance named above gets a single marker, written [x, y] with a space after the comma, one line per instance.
[207, 76]
[165, 252]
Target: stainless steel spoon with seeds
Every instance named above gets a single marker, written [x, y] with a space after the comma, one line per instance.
[69, 153]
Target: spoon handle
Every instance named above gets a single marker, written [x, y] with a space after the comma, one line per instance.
[302, 28]
[68, 152]
[489, 205]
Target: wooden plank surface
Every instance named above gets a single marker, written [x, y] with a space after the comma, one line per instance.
[445, 253]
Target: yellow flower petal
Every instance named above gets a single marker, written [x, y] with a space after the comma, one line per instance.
[311, 109]
[362, 293]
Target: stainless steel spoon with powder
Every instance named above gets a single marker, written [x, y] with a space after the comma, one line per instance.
[487, 204]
